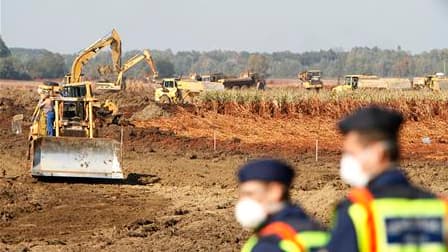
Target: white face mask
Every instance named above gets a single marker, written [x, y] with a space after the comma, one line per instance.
[249, 213]
[352, 173]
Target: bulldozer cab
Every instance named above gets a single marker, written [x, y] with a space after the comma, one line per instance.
[79, 90]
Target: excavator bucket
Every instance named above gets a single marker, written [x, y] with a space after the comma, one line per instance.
[76, 157]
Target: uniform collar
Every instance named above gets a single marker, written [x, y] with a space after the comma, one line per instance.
[288, 211]
[392, 176]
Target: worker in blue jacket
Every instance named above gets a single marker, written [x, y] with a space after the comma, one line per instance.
[265, 208]
[383, 211]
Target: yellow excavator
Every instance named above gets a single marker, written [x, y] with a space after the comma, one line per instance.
[120, 84]
[75, 149]
[112, 39]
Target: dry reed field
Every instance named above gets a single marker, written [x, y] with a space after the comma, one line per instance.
[416, 105]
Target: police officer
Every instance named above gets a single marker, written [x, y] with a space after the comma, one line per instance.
[383, 211]
[264, 207]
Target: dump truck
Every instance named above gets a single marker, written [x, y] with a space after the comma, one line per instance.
[246, 80]
[75, 149]
[214, 77]
[311, 79]
[120, 83]
[352, 82]
[176, 90]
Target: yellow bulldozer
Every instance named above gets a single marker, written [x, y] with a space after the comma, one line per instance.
[120, 83]
[311, 79]
[74, 150]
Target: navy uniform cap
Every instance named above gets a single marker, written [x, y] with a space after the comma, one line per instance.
[372, 118]
[268, 170]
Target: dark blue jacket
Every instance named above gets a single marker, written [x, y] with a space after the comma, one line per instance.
[295, 217]
[391, 183]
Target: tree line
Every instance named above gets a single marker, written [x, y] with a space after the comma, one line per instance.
[19, 63]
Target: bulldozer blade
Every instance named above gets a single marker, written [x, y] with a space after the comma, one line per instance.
[76, 157]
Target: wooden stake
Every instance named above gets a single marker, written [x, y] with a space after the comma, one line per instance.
[214, 140]
[121, 146]
[317, 150]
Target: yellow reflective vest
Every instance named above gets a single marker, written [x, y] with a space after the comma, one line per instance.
[398, 224]
[290, 239]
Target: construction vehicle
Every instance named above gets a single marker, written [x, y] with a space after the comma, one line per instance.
[311, 79]
[436, 82]
[120, 83]
[418, 82]
[176, 90]
[214, 77]
[112, 39]
[350, 83]
[353, 82]
[246, 80]
[74, 150]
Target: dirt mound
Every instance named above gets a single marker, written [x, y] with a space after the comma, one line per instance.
[17, 101]
[151, 111]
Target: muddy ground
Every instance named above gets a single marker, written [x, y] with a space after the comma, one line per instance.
[180, 192]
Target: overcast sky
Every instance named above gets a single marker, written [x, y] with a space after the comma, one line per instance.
[68, 26]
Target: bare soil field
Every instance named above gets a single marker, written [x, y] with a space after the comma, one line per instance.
[180, 191]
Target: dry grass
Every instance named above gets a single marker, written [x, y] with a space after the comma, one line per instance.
[416, 105]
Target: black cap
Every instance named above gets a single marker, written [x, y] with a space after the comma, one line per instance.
[372, 118]
[268, 170]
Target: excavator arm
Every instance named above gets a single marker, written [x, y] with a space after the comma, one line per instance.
[152, 65]
[136, 59]
[128, 65]
[113, 40]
